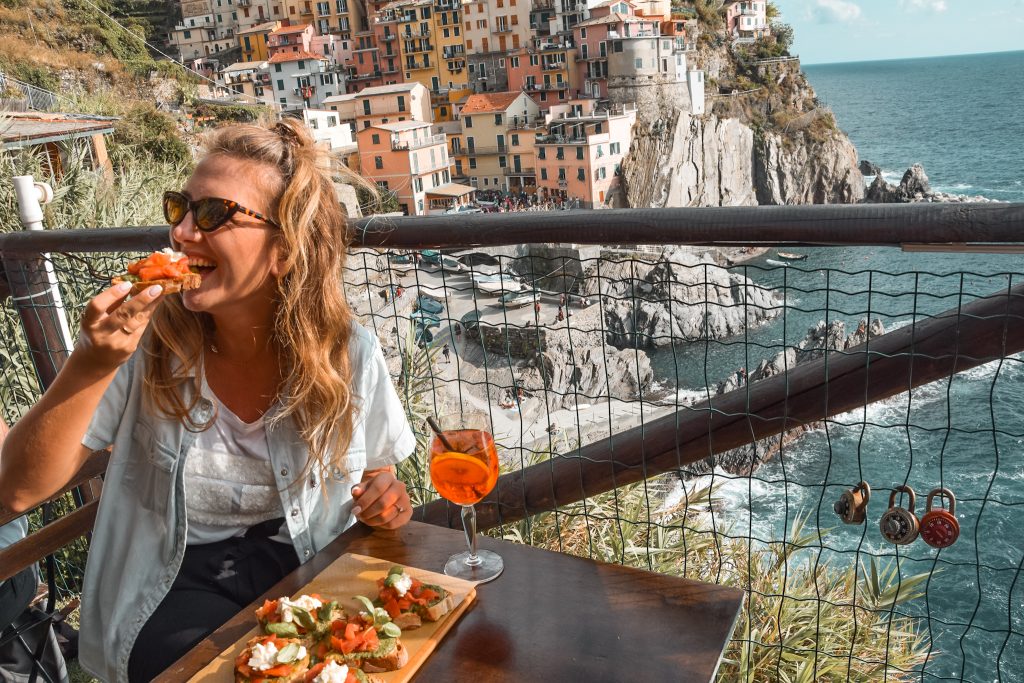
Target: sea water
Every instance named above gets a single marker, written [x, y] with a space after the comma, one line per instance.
[961, 118]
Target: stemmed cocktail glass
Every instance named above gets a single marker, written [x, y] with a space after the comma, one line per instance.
[464, 469]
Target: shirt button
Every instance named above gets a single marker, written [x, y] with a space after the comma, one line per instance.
[305, 552]
[284, 471]
[295, 512]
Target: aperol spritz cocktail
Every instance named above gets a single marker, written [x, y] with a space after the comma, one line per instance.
[464, 469]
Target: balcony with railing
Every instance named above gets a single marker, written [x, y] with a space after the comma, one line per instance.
[419, 65]
[410, 47]
[484, 150]
[556, 85]
[419, 143]
[365, 76]
[726, 377]
[521, 171]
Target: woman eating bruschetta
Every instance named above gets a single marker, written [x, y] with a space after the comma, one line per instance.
[251, 418]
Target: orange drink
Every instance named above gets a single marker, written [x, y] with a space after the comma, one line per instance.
[464, 469]
[468, 473]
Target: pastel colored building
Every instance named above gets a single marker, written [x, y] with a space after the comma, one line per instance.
[747, 20]
[339, 17]
[486, 152]
[607, 21]
[410, 161]
[248, 13]
[200, 35]
[392, 103]
[295, 38]
[249, 81]
[328, 130]
[547, 72]
[253, 41]
[491, 29]
[345, 105]
[302, 80]
[365, 69]
[580, 156]
[294, 11]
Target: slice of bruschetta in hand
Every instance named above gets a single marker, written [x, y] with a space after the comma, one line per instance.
[167, 268]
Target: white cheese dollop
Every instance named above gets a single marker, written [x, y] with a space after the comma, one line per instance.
[332, 673]
[402, 584]
[173, 255]
[263, 656]
[306, 602]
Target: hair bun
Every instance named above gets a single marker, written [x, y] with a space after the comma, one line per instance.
[287, 133]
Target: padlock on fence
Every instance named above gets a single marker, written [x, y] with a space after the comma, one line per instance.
[852, 506]
[899, 525]
[939, 527]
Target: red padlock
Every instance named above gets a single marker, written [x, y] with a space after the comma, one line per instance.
[939, 527]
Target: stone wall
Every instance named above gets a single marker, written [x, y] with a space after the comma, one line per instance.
[649, 92]
[510, 341]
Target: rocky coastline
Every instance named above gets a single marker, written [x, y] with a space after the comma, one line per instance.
[912, 188]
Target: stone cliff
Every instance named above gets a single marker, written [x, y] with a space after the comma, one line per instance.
[769, 144]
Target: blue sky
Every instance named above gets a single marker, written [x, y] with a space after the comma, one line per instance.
[861, 30]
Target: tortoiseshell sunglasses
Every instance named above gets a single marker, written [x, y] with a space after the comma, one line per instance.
[209, 213]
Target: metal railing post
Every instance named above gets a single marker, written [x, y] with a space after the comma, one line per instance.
[34, 290]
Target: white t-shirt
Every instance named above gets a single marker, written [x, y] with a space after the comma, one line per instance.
[229, 481]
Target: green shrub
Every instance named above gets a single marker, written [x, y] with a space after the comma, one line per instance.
[231, 113]
[145, 132]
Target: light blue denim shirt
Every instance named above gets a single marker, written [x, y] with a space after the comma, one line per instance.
[139, 538]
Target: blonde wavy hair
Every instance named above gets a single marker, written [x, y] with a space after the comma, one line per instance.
[313, 323]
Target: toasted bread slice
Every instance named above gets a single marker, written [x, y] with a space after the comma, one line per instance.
[170, 285]
[293, 670]
[390, 656]
[436, 609]
[409, 601]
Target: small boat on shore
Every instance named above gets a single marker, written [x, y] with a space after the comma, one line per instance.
[788, 256]
[517, 299]
[496, 284]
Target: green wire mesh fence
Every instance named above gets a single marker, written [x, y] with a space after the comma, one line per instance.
[571, 347]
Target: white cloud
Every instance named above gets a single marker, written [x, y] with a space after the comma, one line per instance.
[924, 5]
[835, 11]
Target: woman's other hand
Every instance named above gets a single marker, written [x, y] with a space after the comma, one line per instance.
[112, 326]
[380, 500]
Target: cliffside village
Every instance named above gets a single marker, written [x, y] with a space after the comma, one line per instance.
[442, 102]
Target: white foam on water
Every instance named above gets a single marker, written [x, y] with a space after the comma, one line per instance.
[689, 397]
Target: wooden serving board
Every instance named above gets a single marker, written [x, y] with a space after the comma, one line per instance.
[351, 575]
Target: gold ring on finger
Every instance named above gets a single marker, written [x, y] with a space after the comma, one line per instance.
[126, 330]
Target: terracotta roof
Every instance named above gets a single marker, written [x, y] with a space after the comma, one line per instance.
[489, 102]
[299, 28]
[293, 57]
[615, 18]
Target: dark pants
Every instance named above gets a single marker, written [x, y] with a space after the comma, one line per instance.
[214, 583]
[15, 595]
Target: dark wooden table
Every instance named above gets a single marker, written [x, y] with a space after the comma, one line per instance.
[548, 617]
